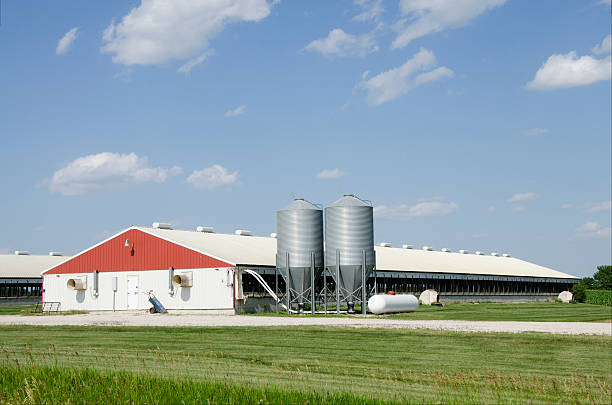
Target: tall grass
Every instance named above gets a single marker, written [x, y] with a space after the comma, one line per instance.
[52, 385]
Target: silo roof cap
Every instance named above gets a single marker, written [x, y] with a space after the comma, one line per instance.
[350, 200]
[300, 204]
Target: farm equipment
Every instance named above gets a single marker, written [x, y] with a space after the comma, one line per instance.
[157, 306]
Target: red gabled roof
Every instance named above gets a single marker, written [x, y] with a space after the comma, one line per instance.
[145, 252]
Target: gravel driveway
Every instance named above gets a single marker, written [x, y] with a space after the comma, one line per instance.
[178, 320]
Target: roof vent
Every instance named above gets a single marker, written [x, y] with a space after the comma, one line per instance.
[273, 235]
[242, 232]
[480, 253]
[22, 252]
[55, 254]
[494, 254]
[429, 248]
[406, 246]
[384, 244]
[445, 250]
[506, 255]
[464, 252]
[205, 229]
[162, 225]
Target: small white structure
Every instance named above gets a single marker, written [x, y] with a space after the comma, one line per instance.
[566, 296]
[428, 297]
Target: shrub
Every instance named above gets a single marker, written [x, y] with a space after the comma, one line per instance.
[598, 297]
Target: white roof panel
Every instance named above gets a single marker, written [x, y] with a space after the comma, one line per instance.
[27, 266]
[395, 259]
[235, 249]
[261, 251]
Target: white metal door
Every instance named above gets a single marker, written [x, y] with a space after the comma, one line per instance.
[132, 290]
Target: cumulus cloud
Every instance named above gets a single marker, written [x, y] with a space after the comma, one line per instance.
[105, 170]
[212, 177]
[535, 131]
[159, 31]
[65, 42]
[591, 207]
[404, 212]
[564, 71]
[330, 174]
[605, 47]
[186, 68]
[236, 111]
[398, 81]
[592, 229]
[339, 43]
[523, 197]
[371, 10]
[424, 17]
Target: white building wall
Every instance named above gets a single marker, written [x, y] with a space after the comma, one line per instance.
[212, 290]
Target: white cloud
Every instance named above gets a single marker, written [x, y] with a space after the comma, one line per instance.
[424, 17]
[186, 68]
[339, 43]
[519, 208]
[105, 170]
[212, 177]
[236, 111]
[523, 197]
[535, 131]
[175, 170]
[159, 31]
[64, 44]
[605, 47]
[404, 212]
[330, 174]
[396, 82]
[365, 74]
[563, 71]
[371, 10]
[591, 207]
[594, 230]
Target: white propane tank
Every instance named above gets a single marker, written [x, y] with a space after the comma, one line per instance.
[385, 303]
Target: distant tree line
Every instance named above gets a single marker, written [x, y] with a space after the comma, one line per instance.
[601, 280]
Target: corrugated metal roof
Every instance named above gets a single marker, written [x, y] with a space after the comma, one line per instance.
[300, 204]
[236, 249]
[349, 200]
[27, 266]
[261, 251]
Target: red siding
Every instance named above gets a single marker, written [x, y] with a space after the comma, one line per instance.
[148, 253]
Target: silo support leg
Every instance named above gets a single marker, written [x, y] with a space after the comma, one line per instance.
[363, 282]
[312, 282]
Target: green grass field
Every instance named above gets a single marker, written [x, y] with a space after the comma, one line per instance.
[298, 365]
[532, 311]
[14, 309]
[489, 311]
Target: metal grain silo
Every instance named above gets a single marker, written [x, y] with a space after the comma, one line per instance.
[299, 229]
[349, 237]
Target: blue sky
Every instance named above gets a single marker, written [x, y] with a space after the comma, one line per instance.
[470, 124]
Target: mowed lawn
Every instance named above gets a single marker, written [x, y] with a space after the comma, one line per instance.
[532, 311]
[299, 365]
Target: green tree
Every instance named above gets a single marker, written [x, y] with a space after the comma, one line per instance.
[603, 278]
